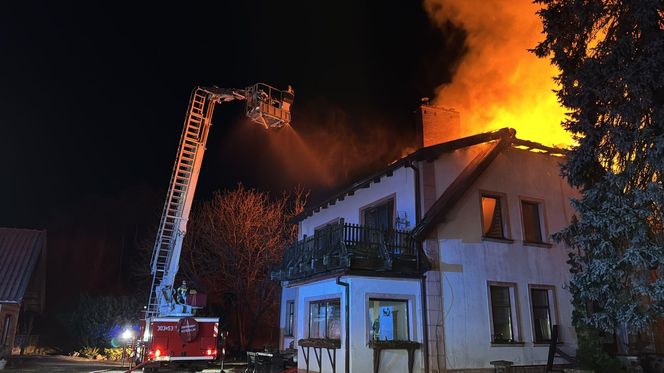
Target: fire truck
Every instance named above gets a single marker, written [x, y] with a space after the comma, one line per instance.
[170, 332]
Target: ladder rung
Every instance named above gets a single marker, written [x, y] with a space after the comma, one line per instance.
[188, 154]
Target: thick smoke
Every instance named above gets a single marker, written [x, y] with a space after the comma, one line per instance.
[330, 151]
[499, 82]
[324, 149]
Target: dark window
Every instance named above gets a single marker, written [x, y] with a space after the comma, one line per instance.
[541, 314]
[5, 330]
[389, 319]
[290, 317]
[492, 217]
[325, 235]
[325, 319]
[380, 216]
[532, 228]
[501, 313]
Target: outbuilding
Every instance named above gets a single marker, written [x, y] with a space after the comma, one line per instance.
[22, 284]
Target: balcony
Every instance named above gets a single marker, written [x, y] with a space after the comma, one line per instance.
[343, 247]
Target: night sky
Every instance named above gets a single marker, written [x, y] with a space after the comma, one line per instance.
[92, 99]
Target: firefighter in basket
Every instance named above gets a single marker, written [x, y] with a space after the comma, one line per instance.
[182, 293]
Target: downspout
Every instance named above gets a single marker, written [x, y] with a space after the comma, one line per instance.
[423, 285]
[347, 353]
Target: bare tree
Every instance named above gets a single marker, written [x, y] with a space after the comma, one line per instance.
[232, 242]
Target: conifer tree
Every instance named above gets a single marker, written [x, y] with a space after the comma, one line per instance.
[611, 59]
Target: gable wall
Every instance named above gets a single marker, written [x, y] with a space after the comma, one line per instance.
[468, 263]
[516, 173]
[400, 184]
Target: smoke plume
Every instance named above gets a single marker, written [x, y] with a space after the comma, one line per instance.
[499, 82]
[329, 151]
[325, 148]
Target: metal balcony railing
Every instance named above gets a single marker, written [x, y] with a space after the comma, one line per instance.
[352, 246]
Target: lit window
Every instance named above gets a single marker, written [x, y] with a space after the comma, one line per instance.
[493, 225]
[532, 223]
[290, 317]
[503, 313]
[389, 320]
[325, 319]
[541, 302]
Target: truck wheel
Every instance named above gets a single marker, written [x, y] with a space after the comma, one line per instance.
[150, 370]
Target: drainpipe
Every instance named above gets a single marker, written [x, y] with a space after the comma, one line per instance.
[418, 206]
[423, 281]
[347, 354]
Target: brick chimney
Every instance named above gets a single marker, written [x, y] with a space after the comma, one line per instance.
[436, 124]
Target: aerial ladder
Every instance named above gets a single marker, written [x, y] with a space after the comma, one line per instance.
[164, 317]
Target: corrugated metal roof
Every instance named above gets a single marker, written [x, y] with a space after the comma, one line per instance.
[19, 253]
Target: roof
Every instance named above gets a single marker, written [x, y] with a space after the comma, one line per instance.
[431, 153]
[20, 250]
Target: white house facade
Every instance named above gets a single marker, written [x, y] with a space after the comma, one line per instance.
[441, 262]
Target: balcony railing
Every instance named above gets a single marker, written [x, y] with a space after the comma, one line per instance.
[349, 246]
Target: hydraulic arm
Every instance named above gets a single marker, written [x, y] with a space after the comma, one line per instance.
[265, 105]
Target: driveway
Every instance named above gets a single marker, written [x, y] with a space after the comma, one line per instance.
[58, 363]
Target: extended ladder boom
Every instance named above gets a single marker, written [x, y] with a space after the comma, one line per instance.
[265, 108]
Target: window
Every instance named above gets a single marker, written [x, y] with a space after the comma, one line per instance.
[543, 311]
[5, 330]
[290, 317]
[325, 319]
[502, 299]
[327, 235]
[532, 225]
[493, 225]
[327, 226]
[388, 320]
[379, 216]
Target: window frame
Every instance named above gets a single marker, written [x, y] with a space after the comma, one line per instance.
[553, 310]
[405, 300]
[379, 202]
[517, 337]
[328, 223]
[504, 216]
[290, 318]
[325, 301]
[541, 212]
[6, 326]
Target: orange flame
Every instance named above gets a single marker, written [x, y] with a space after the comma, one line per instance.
[498, 82]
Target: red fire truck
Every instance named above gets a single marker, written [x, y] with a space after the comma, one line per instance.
[189, 341]
[171, 334]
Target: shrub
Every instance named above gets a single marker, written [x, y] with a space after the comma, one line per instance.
[96, 320]
[113, 353]
[88, 351]
[591, 354]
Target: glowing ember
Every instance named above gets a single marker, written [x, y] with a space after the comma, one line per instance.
[499, 83]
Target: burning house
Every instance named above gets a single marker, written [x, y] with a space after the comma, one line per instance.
[442, 261]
